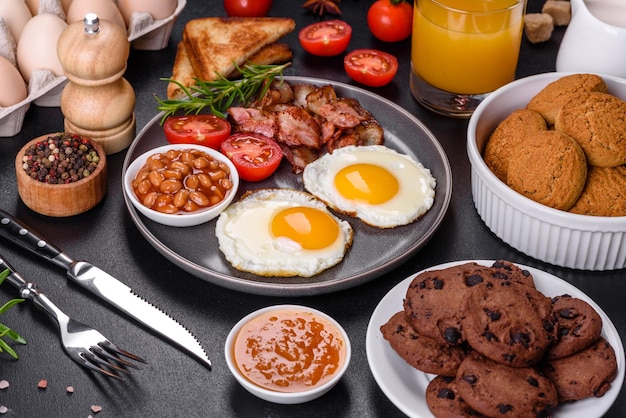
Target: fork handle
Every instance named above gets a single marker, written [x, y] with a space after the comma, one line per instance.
[28, 290]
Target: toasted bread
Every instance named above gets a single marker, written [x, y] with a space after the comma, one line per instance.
[216, 45]
[183, 70]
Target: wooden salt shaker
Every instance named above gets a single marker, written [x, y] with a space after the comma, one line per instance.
[97, 102]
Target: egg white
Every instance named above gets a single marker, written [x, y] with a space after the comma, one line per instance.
[415, 196]
[244, 237]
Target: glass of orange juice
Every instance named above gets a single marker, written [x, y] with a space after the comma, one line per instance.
[462, 50]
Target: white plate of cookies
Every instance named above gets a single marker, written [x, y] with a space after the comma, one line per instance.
[406, 386]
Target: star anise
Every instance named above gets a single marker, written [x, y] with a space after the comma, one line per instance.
[321, 7]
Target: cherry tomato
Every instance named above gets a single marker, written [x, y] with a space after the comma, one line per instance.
[247, 8]
[371, 67]
[390, 20]
[255, 156]
[327, 38]
[207, 130]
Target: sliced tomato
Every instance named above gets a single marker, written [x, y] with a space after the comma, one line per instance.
[255, 156]
[327, 38]
[207, 130]
[371, 67]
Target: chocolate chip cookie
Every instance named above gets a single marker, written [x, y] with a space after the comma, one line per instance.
[496, 390]
[578, 326]
[586, 373]
[444, 401]
[508, 322]
[433, 298]
[421, 352]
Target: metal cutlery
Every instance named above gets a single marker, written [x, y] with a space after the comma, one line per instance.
[83, 344]
[105, 286]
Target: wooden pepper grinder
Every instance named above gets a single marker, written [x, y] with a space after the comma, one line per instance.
[97, 102]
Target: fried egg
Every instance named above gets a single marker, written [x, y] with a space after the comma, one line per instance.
[282, 232]
[374, 183]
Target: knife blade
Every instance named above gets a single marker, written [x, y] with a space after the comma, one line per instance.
[104, 286]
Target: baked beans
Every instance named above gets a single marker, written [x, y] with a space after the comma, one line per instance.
[179, 181]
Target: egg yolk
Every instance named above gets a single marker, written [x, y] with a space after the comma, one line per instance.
[366, 183]
[312, 228]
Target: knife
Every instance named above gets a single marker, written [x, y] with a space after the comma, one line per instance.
[105, 286]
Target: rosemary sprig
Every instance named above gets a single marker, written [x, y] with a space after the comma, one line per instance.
[6, 331]
[220, 94]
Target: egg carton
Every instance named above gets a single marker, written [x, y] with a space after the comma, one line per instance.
[145, 33]
[44, 89]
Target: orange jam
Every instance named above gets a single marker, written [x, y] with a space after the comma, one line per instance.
[289, 350]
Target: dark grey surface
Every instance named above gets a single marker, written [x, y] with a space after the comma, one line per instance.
[173, 384]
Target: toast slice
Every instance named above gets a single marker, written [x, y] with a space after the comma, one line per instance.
[215, 44]
[183, 72]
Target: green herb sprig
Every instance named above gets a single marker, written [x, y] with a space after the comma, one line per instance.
[6, 331]
[218, 95]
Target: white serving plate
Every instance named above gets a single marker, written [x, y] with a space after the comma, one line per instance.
[405, 386]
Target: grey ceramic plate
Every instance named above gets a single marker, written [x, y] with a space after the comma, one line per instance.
[374, 251]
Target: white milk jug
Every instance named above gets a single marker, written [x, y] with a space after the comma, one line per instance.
[595, 40]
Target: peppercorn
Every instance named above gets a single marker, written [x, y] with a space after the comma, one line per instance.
[61, 159]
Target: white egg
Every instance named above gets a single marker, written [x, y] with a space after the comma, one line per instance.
[282, 232]
[157, 9]
[37, 48]
[15, 14]
[104, 9]
[374, 183]
[33, 5]
[12, 84]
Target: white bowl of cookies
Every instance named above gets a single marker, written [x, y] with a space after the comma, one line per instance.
[548, 168]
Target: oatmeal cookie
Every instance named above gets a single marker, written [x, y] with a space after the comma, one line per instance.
[555, 95]
[510, 132]
[550, 168]
[597, 121]
[604, 193]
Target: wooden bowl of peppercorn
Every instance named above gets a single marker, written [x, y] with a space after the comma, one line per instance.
[61, 174]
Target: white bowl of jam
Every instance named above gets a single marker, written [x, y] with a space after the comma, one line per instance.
[288, 354]
[181, 184]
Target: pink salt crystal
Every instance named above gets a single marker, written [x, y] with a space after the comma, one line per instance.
[70, 389]
[43, 383]
[3, 384]
[3, 409]
[96, 408]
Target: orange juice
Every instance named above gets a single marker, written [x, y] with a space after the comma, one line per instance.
[467, 46]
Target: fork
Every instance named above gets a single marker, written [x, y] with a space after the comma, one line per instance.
[83, 344]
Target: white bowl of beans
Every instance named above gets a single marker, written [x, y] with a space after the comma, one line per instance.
[181, 184]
